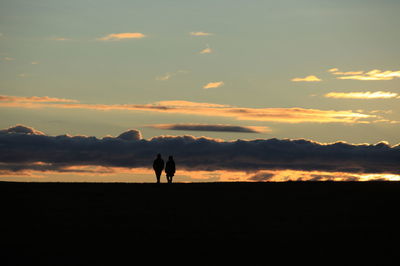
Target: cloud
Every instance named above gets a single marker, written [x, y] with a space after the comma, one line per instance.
[6, 98]
[200, 33]
[213, 85]
[213, 127]
[8, 59]
[35, 63]
[60, 39]
[189, 104]
[375, 74]
[348, 73]
[206, 50]
[21, 129]
[122, 36]
[169, 75]
[333, 70]
[262, 176]
[23, 147]
[311, 78]
[281, 115]
[132, 134]
[362, 95]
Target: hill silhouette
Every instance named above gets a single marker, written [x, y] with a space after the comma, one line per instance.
[325, 223]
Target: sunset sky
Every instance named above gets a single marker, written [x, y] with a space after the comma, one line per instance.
[318, 70]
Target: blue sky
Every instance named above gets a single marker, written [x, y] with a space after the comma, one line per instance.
[276, 69]
[52, 48]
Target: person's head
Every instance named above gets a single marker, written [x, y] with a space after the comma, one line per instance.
[170, 158]
[158, 156]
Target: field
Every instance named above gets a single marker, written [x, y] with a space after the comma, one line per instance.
[327, 223]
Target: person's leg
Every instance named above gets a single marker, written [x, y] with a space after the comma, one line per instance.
[158, 175]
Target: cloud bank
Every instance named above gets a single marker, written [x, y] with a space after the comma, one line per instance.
[280, 115]
[22, 148]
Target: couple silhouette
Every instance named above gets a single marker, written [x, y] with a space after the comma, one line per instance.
[158, 166]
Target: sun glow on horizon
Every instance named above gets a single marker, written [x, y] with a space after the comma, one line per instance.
[93, 173]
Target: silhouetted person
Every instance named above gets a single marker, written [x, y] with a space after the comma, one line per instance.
[158, 166]
[170, 169]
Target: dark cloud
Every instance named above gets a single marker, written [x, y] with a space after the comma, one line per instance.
[26, 146]
[262, 176]
[211, 127]
[20, 129]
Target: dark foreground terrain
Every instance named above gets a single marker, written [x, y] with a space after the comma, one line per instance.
[323, 223]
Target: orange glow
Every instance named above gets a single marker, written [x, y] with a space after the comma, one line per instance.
[91, 173]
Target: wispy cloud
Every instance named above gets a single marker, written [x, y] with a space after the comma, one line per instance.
[33, 99]
[333, 69]
[122, 36]
[310, 78]
[34, 63]
[375, 74]
[200, 33]
[206, 50]
[169, 75]
[8, 59]
[362, 95]
[60, 39]
[213, 127]
[179, 103]
[213, 85]
[280, 115]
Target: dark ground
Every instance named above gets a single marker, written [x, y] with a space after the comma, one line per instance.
[323, 223]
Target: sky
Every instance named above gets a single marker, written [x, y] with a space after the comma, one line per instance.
[324, 72]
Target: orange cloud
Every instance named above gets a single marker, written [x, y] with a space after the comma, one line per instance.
[362, 95]
[311, 78]
[200, 33]
[213, 85]
[281, 115]
[121, 36]
[207, 50]
[333, 69]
